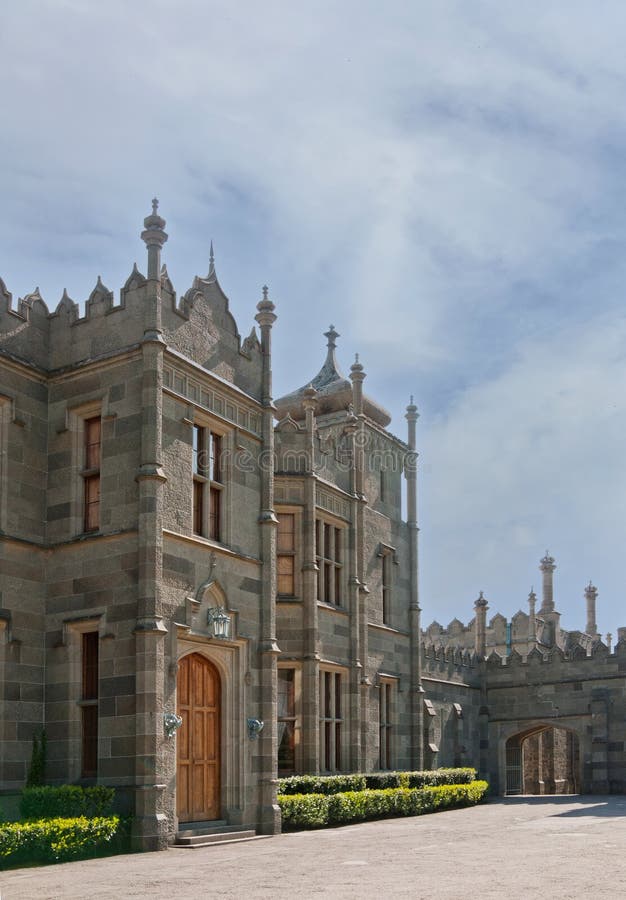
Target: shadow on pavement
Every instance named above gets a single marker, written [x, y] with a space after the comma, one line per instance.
[599, 806]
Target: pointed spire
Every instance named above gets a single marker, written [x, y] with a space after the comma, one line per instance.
[211, 262]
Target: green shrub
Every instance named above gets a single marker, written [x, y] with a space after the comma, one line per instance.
[37, 768]
[321, 784]
[318, 810]
[303, 810]
[336, 784]
[66, 801]
[55, 840]
[383, 780]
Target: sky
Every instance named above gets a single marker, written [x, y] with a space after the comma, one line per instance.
[443, 181]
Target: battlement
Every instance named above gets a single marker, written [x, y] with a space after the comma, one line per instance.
[199, 325]
[598, 653]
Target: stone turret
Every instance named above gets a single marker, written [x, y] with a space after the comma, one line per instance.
[335, 392]
[547, 567]
[480, 607]
[591, 594]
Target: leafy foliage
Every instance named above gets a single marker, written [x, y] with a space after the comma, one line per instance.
[37, 769]
[334, 784]
[317, 810]
[55, 840]
[68, 800]
[321, 784]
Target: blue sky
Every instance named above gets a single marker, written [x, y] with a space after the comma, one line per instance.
[444, 181]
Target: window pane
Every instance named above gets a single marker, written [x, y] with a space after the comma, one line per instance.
[90, 642]
[286, 532]
[92, 503]
[89, 715]
[215, 463]
[198, 504]
[92, 443]
[286, 575]
[214, 514]
[198, 450]
[286, 747]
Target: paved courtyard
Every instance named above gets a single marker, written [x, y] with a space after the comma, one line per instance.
[527, 847]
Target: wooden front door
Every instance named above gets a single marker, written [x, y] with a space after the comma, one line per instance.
[198, 740]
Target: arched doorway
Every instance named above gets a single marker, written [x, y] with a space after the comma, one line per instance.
[198, 741]
[543, 760]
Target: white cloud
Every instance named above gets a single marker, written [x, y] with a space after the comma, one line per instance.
[443, 180]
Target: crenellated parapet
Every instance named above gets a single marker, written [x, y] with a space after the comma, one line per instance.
[199, 325]
[453, 663]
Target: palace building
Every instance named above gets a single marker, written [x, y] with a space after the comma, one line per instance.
[203, 588]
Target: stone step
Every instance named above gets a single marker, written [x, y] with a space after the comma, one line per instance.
[213, 826]
[195, 841]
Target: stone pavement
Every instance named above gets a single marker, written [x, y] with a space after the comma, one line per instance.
[526, 847]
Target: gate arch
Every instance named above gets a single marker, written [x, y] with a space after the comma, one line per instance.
[543, 759]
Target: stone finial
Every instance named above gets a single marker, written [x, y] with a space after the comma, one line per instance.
[154, 237]
[211, 262]
[309, 397]
[532, 597]
[265, 315]
[547, 564]
[411, 411]
[481, 602]
[332, 336]
[591, 590]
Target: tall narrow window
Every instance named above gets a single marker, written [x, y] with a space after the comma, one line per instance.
[286, 553]
[385, 714]
[207, 483]
[329, 544]
[91, 473]
[331, 721]
[386, 579]
[286, 721]
[89, 703]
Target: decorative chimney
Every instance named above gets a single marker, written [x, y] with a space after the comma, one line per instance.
[547, 567]
[591, 593]
[480, 607]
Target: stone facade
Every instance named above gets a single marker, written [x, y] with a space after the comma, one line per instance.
[174, 543]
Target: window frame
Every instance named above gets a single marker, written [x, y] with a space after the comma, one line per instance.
[386, 722]
[331, 574]
[293, 718]
[332, 720]
[209, 480]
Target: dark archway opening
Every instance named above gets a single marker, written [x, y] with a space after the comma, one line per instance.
[543, 760]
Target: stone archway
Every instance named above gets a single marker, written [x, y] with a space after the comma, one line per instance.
[543, 759]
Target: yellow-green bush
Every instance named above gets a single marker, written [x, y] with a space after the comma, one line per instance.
[319, 810]
[48, 840]
[66, 801]
[335, 784]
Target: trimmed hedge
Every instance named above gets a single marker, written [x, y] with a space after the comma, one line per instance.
[318, 810]
[335, 784]
[55, 840]
[67, 801]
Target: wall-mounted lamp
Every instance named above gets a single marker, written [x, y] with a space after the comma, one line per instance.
[218, 621]
[171, 724]
[255, 727]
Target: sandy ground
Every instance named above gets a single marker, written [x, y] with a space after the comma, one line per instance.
[559, 847]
